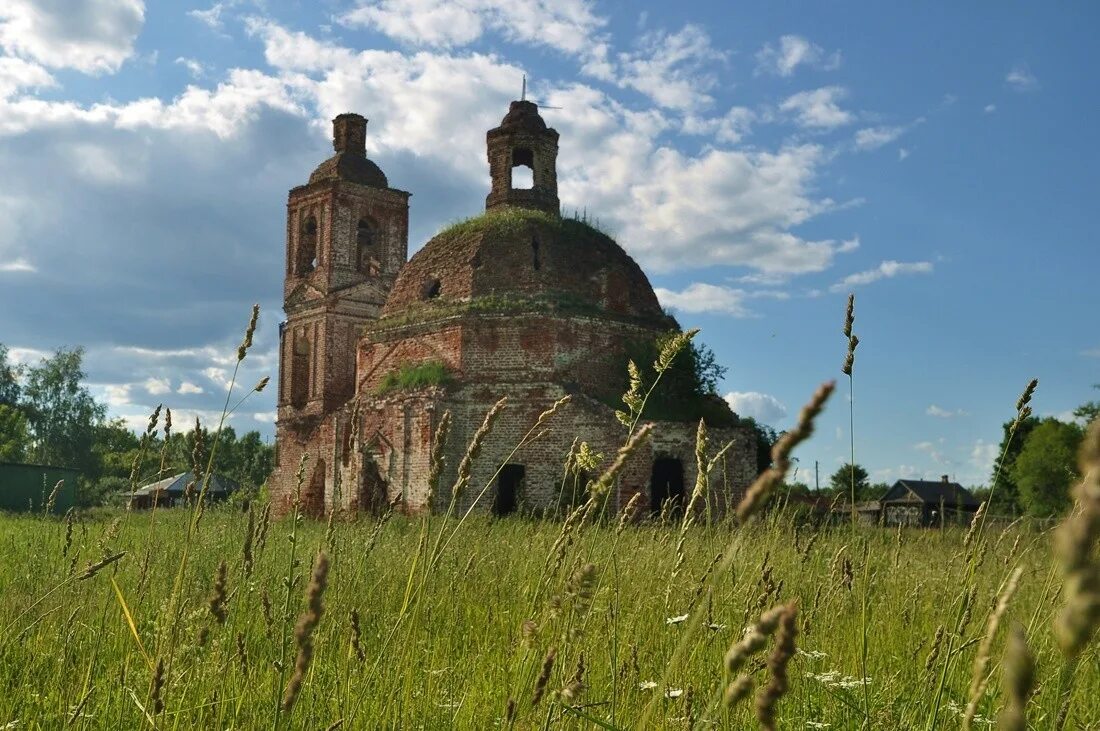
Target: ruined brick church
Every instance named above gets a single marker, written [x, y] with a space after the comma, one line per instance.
[518, 302]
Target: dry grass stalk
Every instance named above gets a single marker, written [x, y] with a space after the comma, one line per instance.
[242, 653]
[778, 682]
[544, 676]
[438, 457]
[249, 536]
[1018, 679]
[303, 631]
[737, 691]
[242, 349]
[217, 601]
[357, 636]
[156, 689]
[51, 501]
[628, 511]
[601, 485]
[95, 568]
[465, 467]
[766, 482]
[934, 653]
[573, 689]
[1075, 545]
[974, 523]
[979, 678]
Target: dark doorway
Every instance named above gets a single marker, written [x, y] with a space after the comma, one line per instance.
[509, 484]
[666, 484]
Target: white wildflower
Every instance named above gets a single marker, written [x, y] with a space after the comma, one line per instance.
[676, 620]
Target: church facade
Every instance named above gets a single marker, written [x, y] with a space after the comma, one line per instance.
[518, 303]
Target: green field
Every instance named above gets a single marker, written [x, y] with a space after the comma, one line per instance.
[443, 645]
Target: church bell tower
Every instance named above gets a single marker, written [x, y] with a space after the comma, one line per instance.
[346, 239]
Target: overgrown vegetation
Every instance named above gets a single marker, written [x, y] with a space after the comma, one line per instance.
[509, 221]
[688, 389]
[411, 376]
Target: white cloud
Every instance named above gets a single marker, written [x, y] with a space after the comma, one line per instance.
[791, 52]
[1020, 78]
[265, 417]
[1091, 353]
[116, 395]
[990, 108]
[92, 36]
[942, 413]
[193, 66]
[19, 264]
[902, 153]
[873, 138]
[763, 407]
[701, 297]
[933, 451]
[819, 108]
[669, 68]
[220, 376]
[885, 270]
[187, 387]
[983, 455]
[16, 74]
[565, 25]
[157, 386]
[211, 17]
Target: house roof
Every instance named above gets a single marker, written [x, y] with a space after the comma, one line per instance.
[177, 485]
[931, 492]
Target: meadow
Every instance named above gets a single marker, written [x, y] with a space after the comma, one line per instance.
[889, 622]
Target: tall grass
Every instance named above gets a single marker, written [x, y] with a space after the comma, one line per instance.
[458, 660]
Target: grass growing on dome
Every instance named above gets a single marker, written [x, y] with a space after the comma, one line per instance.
[510, 221]
[411, 376]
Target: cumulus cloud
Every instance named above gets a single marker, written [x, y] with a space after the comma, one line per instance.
[983, 455]
[873, 138]
[669, 68]
[763, 407]
[17, 74]
[885, 270]
[565, 25]
[157, 386]
[819, 108]
[18, 264]
[186, 388]
[942, 413]
[92, 36]
[1020, 78]
[211, 17]
[990, 108]
[193, 66]
[701, 297]
[792, 51]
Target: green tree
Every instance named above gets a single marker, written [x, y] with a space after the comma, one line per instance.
[115, 446]
[1088, 411]
[841, 481]
[14, 439]
[1046, 467]
[61, 412]
[1004, 492]
[9, 380]
[765, 437]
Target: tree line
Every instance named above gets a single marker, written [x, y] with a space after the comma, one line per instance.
[48, 416]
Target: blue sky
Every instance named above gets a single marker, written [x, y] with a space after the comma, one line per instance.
[759, 161]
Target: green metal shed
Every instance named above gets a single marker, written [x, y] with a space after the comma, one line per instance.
[27, 487]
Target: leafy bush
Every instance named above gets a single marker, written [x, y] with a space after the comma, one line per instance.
[410, 376]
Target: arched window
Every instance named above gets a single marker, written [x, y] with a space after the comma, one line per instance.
[307, 245]
[366, 247]
[523, 169]
[299, 372]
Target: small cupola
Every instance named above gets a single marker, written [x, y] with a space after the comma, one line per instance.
[349, 134]
[523, 155]
[350, 163]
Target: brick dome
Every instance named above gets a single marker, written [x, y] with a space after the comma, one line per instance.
[514, 256]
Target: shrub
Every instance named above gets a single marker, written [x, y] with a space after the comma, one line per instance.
[411, 376]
